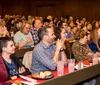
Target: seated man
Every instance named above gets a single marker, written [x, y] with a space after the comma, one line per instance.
[13, 66]
[46, 54]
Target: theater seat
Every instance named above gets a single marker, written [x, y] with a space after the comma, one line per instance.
[27, 60]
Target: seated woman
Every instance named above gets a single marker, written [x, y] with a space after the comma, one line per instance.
[82, 51]
[80, 48]
[98, 33]
[60, 33]
[92, 44]
[23, 38]
[3, 30]
[13, 66]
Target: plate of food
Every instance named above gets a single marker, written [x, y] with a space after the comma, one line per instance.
[43, 75]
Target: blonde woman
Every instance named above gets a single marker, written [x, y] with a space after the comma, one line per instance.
[23, 38]
[3, 30]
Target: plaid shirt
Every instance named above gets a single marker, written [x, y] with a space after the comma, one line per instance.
[42, 58]
[35, 37]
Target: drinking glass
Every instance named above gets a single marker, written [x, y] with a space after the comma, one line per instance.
[60, 68]
[71, 64]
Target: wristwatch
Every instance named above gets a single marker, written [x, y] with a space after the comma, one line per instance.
[62, 49]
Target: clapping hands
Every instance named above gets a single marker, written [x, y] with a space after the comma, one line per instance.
[59, 44]
[29, 40]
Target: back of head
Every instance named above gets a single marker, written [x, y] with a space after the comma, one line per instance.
[46, 20]
[49, 17]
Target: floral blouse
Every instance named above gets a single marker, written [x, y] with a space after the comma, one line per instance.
[81, 51]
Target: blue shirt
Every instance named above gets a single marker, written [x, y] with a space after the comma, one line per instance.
[12, 68]
[93, 47]
[69, 35]
[42, 58]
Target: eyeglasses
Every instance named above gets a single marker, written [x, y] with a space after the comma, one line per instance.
[87, 34]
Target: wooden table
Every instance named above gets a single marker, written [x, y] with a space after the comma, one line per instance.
[75, 77]
[70, 78]
[20, 52]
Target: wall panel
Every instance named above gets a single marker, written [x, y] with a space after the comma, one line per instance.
[76, 8]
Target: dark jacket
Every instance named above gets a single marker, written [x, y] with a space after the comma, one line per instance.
[18, 63]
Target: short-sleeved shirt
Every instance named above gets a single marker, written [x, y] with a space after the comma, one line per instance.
[20, 37]
[42, 58]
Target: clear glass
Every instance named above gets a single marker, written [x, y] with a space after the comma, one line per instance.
[71, 64]
[60, 68]
[95, 59]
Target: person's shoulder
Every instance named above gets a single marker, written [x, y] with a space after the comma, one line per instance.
[17, 33]
[1, 60]
[76, 44]
[39, 47]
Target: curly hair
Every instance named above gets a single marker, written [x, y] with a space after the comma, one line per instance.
[80, 34]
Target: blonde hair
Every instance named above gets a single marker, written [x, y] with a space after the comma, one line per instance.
[2, 25]
[23, 26]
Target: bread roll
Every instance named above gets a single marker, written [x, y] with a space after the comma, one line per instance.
[36, 75]
[47, 73]
[42, 75]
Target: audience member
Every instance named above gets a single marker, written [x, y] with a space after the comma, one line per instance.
[37, 24]
[45, 54]
[13, 66]
[80, 48]
[23, 38]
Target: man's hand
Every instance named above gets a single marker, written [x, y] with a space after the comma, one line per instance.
[21, 69]
[14, 77]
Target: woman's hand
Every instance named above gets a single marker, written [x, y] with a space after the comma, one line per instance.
[59, 44]
[29, 40]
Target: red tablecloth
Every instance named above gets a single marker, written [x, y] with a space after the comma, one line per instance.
[54, 73]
